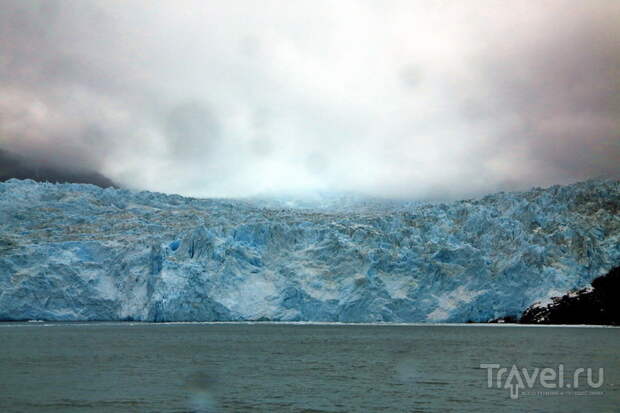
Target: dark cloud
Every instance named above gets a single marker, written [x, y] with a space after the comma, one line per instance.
[420, 99]
[560, 83]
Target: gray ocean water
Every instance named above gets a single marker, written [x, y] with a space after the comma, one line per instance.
[133, 367]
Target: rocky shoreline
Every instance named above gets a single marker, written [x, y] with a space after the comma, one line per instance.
[597, 304]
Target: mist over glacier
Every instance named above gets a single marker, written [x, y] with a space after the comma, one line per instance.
[79, 252]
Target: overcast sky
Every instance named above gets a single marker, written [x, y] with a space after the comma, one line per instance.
[422, 99]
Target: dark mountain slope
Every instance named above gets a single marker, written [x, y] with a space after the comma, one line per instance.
[20, 167]
[599, 304]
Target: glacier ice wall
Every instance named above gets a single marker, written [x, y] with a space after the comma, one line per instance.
[79, 252]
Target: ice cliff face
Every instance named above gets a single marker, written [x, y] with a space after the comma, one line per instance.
[79, 252]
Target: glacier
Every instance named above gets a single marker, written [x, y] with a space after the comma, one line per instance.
[80, 252]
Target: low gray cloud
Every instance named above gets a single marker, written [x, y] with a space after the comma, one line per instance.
[192, 132]
[425, 99]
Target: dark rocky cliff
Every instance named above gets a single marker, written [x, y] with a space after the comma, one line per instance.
[599, 304]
